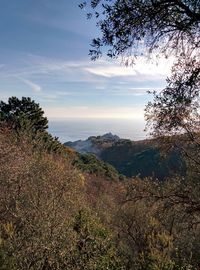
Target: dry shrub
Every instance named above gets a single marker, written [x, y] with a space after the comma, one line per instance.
[39, 194]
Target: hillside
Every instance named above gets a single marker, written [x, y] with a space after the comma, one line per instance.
[61, 209]
[94, 144]
[132, 158]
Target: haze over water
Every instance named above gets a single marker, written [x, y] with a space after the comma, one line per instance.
[81, 129]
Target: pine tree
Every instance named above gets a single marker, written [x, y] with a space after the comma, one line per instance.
[17, 113]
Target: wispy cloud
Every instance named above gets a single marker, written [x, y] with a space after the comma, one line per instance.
[35, 87]
[55, 81]
[141, 69]
[87, 71]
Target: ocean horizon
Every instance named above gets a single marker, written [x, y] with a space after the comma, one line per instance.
[80, 129]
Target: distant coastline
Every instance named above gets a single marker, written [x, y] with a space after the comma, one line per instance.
[81, 129]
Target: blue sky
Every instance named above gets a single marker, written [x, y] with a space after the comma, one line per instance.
[44, 55]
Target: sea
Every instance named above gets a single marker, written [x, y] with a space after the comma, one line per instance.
[81, 129]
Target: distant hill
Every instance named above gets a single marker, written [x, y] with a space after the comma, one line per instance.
[94, 144]
[89, 163]
[132, 158]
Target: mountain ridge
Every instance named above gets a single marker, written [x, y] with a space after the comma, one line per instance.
[131, 158]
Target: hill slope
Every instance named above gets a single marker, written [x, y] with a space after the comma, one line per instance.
[132, 158]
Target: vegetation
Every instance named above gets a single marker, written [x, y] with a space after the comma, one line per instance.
[146, 163]
[143, 158]
[18, 113]
[148, 28]
[59, 211]
[27, 120]
[55, 217]
[131, 28]
[44, 221]
[157, 239]
[90, 164]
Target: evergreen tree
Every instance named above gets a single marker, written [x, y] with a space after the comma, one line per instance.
[17, 113]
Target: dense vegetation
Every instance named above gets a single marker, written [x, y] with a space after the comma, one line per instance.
[46, 219]
[146, 162]
[131, 158]
[56, 216]
[89, 163]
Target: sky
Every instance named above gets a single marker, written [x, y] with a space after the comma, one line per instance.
[44, 55]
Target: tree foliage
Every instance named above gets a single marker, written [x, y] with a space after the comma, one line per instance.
[131, 26]
[18, 112]
[175, 109]
[158, 223]
[26, 118]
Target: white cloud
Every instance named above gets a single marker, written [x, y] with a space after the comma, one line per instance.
[160, 68]
[95, 112]
[58, 79]
[98, 72]
[110, 71]
[35, 87]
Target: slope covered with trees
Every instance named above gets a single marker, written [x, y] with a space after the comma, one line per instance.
[46, 219]
[55, 216]
[132, 158]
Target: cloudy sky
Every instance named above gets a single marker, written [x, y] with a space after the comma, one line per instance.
[44, 55]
